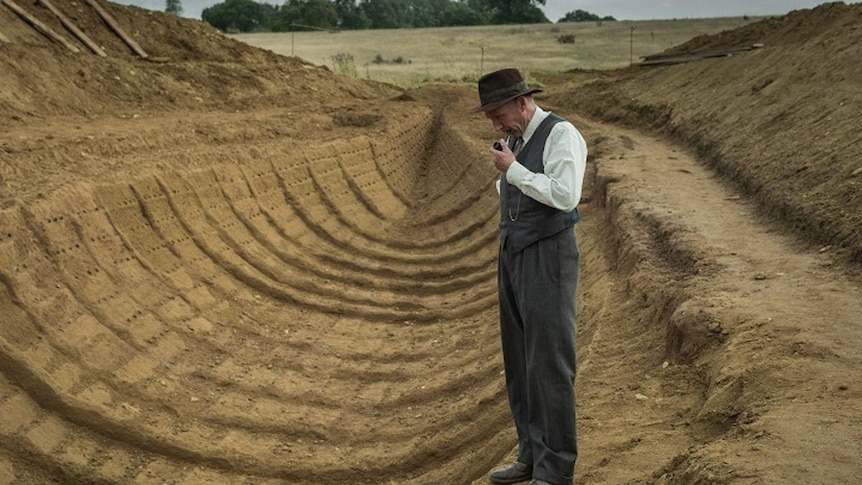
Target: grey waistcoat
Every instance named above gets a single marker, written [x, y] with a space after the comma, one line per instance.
[533, 220]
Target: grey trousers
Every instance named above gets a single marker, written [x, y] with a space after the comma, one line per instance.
[537, 289]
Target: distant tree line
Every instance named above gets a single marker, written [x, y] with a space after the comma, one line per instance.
[584, 16]
[253, 16]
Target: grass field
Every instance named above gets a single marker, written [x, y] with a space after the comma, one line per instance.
[410, 57]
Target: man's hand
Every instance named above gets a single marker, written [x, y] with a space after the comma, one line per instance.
[503, 158]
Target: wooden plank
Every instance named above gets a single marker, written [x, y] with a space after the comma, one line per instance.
[38, 25]
[74, 28]
[660, 59]
[676, 60]
[116, 28]
[711, 53]
[3, 38]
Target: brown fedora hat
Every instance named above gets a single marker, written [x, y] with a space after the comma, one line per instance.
[500, 87]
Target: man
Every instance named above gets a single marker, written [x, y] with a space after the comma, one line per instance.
[542, 163]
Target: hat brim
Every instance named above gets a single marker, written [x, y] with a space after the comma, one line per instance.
[496, 104]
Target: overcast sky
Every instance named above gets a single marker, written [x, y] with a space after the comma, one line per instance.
[619, 9]
[676, 9]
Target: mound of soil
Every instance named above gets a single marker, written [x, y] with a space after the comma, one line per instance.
[779, 121]
[220, 265]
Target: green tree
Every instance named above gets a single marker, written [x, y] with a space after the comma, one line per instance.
[239, 15]
[426, 13]
[350, 15]
[174, 7]
[516, 11]
[461, 14]
[311, 13]
[386, 14]
[249, 15]
[584, 16]
[319, 13]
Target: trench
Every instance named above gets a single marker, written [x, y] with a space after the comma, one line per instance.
[323, 315]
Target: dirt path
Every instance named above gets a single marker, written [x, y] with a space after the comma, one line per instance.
[770, 331]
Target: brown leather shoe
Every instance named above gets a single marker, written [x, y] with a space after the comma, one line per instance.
[514, 473]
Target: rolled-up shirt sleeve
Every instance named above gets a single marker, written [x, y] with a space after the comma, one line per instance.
[565, 160]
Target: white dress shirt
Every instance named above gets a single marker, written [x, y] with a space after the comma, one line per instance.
[565, 161]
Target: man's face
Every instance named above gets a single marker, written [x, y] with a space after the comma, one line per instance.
[510, 118]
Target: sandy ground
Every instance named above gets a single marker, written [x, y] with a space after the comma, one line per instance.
[226, 266]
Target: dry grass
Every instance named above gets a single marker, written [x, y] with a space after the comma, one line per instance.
[415, 56]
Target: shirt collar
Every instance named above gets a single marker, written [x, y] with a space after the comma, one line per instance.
[538, 116]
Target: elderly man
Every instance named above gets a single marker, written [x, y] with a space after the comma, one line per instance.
[542, 161]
